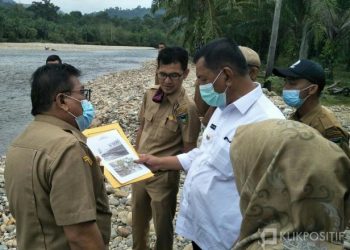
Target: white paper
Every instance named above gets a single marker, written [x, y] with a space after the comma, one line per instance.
[116, 156]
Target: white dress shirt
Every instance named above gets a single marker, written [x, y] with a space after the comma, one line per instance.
[209, 210]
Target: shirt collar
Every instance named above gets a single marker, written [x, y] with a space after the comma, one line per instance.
[246, 101]
[61, 124]
[307, 118]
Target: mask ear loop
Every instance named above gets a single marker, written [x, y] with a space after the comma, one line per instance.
[61, 98]
[307, 95]
[71, 114]
[72, 98]
[68, 110]
[217, 77]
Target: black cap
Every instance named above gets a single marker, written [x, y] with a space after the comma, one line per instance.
[305, 69]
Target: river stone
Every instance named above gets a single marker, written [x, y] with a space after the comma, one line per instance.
[123, 232]
[120, 193]
[113, 201]
[188, 247]
[3, 247]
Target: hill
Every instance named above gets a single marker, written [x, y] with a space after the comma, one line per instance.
[7, 2]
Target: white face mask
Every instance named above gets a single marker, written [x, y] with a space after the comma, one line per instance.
[292, 97]
[84, 121]
[210, 96]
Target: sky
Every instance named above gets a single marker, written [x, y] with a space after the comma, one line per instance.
[88, 6]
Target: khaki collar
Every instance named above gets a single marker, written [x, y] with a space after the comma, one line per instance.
[308, 117]
[61, 124]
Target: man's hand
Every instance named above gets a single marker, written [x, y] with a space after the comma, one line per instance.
[150, 161]
[159, 163]
[98, 160]
[84, 236]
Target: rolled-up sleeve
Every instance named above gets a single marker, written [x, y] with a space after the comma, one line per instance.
[186, 159]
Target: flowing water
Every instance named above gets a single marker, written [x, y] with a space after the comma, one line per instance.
[16, 67]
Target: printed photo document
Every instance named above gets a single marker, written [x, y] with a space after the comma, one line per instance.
[117, 155]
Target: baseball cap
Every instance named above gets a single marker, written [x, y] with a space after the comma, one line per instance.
[305, 69]
[251, 56]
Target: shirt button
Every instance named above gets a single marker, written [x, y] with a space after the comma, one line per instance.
[208, 137]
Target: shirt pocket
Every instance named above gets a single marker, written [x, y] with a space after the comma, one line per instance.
[171, 125]
[168, 130]
[220, 160]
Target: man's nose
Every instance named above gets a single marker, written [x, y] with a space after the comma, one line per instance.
[167, 79]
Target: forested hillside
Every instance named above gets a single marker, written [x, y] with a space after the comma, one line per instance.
[44, 22]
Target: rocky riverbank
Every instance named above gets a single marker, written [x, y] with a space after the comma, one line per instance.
[117, 98]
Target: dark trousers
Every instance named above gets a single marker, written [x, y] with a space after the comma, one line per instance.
[195, 246]
[154, 198]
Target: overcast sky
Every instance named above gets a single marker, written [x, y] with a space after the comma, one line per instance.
[88, 6]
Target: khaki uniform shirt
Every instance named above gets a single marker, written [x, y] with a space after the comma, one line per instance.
[52, 180]
[168, 125]
[323, 120]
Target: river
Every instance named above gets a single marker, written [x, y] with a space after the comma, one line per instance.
[17, 65]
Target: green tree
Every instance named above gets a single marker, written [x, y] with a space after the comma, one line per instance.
[44, 9]
[273, 40]
[332, 27]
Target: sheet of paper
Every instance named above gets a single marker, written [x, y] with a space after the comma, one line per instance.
[116, 156]
[108, 172]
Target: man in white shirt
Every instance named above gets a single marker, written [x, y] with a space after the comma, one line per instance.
[209, 210]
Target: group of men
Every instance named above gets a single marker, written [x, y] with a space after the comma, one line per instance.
[55, 186]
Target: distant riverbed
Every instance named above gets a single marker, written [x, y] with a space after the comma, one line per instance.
[19, 61]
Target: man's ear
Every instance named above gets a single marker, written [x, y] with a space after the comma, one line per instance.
[186, 72]
[253, 73]
[313, 90]
[59, 100]
[229, 75]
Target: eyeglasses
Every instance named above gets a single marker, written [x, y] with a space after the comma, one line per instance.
[84, 92]
[172, 76]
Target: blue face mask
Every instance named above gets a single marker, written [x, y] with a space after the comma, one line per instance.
[84, 121]
[211, 97]
[292, 97]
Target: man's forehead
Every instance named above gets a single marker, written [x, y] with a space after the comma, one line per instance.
[53, 62]
[201, 68]
[75, 81]
[170, 67]
[296, 81]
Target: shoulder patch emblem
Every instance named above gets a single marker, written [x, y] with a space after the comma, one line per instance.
[88, 160]
[181, 113]
[183, 118]
[336, 135]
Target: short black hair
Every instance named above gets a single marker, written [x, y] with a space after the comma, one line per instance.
[170, 55]
[53, 58]
[221, 53]
[49, 80]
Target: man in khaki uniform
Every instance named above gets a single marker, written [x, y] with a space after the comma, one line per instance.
[304, 82]
[253, 62]
[169, 126]
[53, 183]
